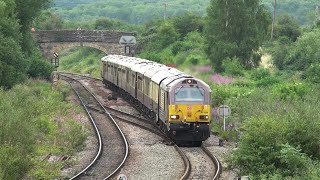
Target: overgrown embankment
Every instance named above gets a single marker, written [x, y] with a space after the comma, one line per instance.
[35, 120]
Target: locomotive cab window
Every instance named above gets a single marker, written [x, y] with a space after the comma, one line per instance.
[189, 94]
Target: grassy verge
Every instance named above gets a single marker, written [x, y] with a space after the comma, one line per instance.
[82, 60]
[35, 120]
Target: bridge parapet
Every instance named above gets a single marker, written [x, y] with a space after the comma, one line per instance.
[57, 40]
[80, 36]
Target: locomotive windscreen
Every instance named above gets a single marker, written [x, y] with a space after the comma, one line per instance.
[189, 94]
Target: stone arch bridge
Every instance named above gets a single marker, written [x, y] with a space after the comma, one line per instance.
[57, 40]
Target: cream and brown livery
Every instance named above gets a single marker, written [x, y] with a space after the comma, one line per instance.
[179, 103]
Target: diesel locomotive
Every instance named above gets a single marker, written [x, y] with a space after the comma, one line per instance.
[177, 102]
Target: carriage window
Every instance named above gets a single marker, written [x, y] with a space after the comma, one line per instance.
[104, 68]
[139, 83]
[189, 94]
[146, 86]
[127, 77]
[133, 80]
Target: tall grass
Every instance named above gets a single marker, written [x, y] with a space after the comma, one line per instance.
[35, 121]
[81, 60]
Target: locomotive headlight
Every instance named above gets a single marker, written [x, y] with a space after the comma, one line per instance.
[174, 116]
[204, 117]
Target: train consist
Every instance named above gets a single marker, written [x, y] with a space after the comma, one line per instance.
[179, 103]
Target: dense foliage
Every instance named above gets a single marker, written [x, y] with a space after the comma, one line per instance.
[300, 55]
[82, 60]
[236, 29]
[279, 136]
[34, 122]
[140, 11]
[303, 11]
[137, 11]
[16, 47]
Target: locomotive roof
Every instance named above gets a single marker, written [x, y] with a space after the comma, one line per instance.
[154, 69]
[141, 67]
[165, 73]
[167, 84]
[171, 81]
[124, 60]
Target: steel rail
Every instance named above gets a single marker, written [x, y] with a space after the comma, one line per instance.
[122, 134]
[96, 131]
[185, 159]
[78, 74]
[132, 116]
[215, 161]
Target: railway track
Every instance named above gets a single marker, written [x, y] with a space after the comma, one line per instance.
[113, 147]
[204, 164]
[186, 161]
[199, 162]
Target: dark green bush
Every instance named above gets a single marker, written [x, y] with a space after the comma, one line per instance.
[264, 150]
[291, 91]
[40, 68]
[313, 73]
[267, 81]
[232, 67]
[260, 73]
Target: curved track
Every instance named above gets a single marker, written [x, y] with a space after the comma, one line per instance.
[209, 168]
[113, 146]
[156, 131]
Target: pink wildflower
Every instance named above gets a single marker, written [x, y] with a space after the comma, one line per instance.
[204, 68]
[218, 79]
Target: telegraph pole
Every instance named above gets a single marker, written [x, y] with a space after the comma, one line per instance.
[165, 10]
[273, 18]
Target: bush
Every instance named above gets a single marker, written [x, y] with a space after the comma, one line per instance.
[223, 93]
[260, 145]
[260, 73]
[40, 68]
[279, 138]
[267, 81]
[291, 91]
[304, 52]
[232, 67]
[313, 73]
[263, 150]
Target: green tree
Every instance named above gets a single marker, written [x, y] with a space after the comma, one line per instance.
[235, 28]
[48, 21]
[27, 11]
[108, 24]
[12, 64]
[158, 35]
[16, 45]
[304, 51]
[287, 26]
[188, 22]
